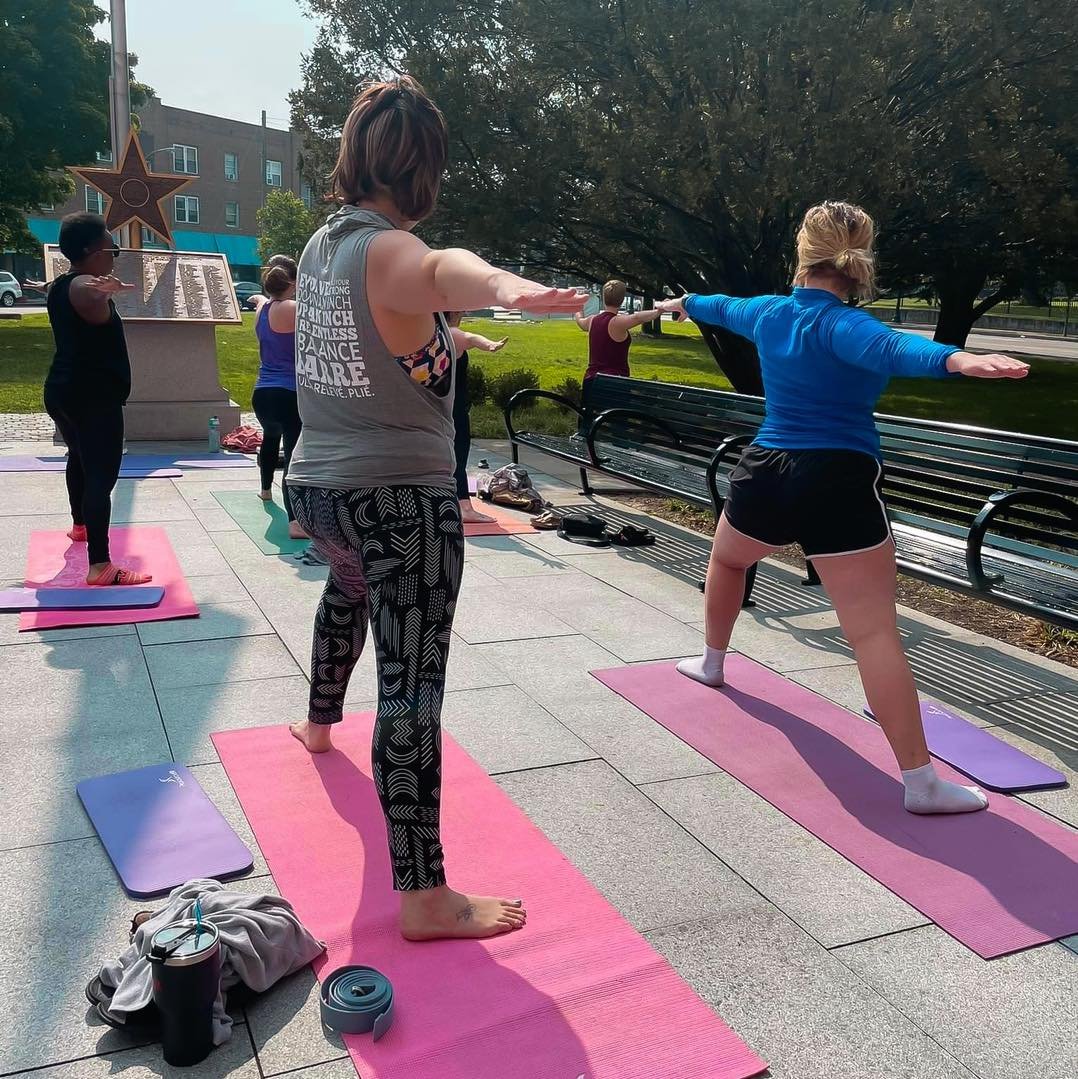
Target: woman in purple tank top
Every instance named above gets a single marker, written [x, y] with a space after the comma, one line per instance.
[274, 399]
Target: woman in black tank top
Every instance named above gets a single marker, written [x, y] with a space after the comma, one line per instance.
[87, 386]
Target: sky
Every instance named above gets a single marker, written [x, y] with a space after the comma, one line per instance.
[229, 58]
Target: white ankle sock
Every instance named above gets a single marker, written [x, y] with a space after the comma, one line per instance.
[706, 668]
[927, 793]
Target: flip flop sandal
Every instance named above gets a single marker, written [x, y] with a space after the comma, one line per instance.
[585, 529]
[97, 993]
[548, 521]
[631, 536]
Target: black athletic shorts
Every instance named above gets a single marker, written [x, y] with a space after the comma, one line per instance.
[828, 501]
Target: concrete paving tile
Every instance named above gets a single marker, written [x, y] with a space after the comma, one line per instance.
[215, 782]
[1071, 943]
[505, 730]
[641, 860]
[218, 588]
[631, 574]
[195, 550]
[32, 493]
[205, 663]
[64, 913]
[214, 519]
[38, 801]
[552, 544]
[796, 871]
[148, 501]
[342, 1068]
[15, 535]
[628, 628]
[797, 1005]
[525, 561]
[215, 620]
[1012, 1018]
[631, 741]
[286, 1026]
[786, 644]
[192, 713]
[494, 613]
[233, 1060]
[554, 670]
[10, 634]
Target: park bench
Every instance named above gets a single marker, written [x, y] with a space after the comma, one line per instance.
[987, 513]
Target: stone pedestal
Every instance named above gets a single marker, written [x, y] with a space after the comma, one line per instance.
[175, 384]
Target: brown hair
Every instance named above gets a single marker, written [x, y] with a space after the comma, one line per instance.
[614, 293]
[838, 237]
[278, 276]
[395, 143]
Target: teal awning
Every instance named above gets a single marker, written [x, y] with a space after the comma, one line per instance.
[240, 250]
[45, 229]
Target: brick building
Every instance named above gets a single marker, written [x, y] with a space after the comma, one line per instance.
[232, 165]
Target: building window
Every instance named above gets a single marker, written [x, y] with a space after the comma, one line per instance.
[47, 207]
[186, 209]
[273, 173]
[185, 159]
[232, 215]
[232, 167]
[104, 157]
[95, 201]
[307, 195]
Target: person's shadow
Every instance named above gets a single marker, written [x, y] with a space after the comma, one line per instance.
[484, 1007]
[1035, 881]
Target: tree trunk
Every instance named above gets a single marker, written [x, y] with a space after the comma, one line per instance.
[654, 328]
[736, 358]
[958, 299]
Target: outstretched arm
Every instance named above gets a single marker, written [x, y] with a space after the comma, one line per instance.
[90, 296]
[858, 338]
[464, 340]
[410, 278]
[624, 323]
[727, 312]
[583, 321]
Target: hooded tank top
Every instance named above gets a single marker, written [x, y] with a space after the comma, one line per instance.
[370, 419]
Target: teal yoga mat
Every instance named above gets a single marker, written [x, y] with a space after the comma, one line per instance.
[264, 522]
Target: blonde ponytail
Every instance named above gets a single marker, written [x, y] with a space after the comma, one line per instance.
[838, 236]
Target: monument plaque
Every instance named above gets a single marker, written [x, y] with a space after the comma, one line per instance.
[169, 319]
[191, 285]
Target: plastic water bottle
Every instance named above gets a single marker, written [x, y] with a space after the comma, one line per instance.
[215, 435]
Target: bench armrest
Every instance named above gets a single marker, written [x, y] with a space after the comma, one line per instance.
[521, 396]
[626, 413]
[724, 451]
[995, 505]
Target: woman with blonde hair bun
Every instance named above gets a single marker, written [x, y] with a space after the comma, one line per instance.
[812, 475]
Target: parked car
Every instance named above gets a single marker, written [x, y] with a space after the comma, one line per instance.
[245, 290]
[10, 289]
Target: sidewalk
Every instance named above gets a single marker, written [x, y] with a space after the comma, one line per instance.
[820, 969]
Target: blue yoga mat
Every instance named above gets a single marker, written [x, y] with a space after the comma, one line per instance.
[160, 829]
[98, 597]
[982, 756]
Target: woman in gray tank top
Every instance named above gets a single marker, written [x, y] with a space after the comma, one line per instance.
[371, 478]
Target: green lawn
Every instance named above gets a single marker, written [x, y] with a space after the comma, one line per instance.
[555, 351]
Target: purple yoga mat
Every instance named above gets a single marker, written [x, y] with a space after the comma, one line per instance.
[160, 829]
[58, 464]
[998, 881]
[982, 756]
[109, 597]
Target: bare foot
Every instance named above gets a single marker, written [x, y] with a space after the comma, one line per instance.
[295, 531]
[266, 496]
[470, 515]
[315, 736]
[440, 913]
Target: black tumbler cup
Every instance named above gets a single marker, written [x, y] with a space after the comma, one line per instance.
[186, 961]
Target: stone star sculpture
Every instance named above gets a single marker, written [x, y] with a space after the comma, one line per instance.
[134, 193]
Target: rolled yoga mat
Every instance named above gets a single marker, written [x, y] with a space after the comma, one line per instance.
[160, 829]
[998, 881]
[117, 597]
[982, 756]
[59, 464]
[578, 992]
[54, 561]
[265, 523]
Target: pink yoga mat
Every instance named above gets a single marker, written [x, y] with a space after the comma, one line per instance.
[576, 993]
[506, 522]
[997, 881]
[54, 561]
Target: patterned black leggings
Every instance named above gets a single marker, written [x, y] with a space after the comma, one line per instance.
[395, 558]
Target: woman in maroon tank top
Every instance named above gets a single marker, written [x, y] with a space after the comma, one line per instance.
[608, 333]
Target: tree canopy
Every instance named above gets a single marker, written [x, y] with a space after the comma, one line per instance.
[676, 143]
[284, 225]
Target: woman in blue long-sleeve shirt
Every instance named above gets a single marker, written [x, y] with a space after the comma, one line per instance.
[812, 474]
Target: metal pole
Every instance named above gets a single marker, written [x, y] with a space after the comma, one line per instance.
[120, 89]
[265, 159]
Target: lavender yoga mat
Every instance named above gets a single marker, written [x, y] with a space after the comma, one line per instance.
[161, 829]
[578, 992]
[59, 464]
[982, 756]
[108, 597]
[998, 881]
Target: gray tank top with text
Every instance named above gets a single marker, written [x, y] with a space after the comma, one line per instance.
[370, 419]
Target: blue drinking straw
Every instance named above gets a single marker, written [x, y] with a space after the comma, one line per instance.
[198, 921]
